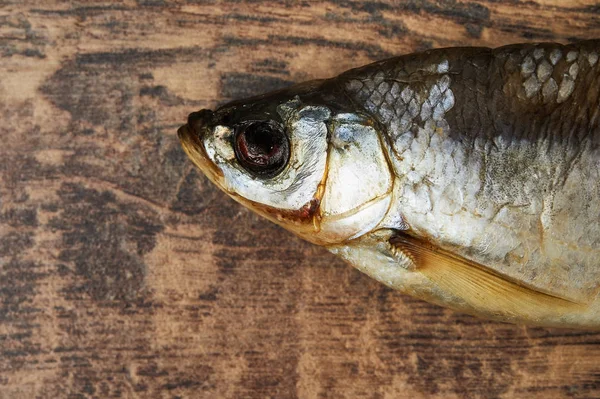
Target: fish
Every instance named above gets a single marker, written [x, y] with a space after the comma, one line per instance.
[467, 177]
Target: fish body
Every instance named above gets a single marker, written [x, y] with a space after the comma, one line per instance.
[468, 177]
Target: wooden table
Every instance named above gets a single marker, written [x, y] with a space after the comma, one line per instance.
[125, 274]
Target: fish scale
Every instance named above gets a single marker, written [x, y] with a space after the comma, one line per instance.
[514, 196]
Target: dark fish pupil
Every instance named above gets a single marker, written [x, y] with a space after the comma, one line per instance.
[262, 148]
[261, 141]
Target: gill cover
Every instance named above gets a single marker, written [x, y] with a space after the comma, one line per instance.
[359, 182]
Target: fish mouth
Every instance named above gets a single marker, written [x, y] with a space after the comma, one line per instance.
[191, 136]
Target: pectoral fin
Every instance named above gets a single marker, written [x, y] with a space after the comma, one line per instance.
[483, 291]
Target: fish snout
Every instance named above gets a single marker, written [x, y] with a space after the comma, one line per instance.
[197, 121]
[193, 136]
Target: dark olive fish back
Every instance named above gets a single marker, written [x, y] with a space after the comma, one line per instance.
[517, 91]
[504, 141]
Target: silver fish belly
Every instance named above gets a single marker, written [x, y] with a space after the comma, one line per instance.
[468, 177]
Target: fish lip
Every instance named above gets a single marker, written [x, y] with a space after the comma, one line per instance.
[183, 132]
[187, 136]
[195, 128]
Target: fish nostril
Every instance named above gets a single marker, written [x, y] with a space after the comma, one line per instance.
[198, 119]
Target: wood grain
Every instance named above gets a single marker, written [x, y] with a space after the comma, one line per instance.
[125, 274]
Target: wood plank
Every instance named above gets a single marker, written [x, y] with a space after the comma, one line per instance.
[125, 274]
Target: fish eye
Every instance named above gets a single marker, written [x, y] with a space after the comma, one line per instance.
[261, 147]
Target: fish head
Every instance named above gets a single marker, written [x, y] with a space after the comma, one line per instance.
[298, 158]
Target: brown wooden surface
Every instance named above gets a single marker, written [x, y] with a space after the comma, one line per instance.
[125, 274]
